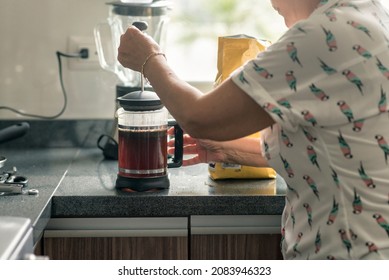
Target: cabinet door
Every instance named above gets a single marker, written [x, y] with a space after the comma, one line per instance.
[116, 248]
[230, 237]
[236, 247]
[117, 239]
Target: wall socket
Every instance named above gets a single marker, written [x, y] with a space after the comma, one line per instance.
[75, 44]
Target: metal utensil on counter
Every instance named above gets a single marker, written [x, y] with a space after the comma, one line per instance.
[15, 189]
[10, 189]
[10, 182]
[13, 184]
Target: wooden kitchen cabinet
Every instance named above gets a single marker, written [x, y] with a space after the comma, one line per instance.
[207, 238]
[116, 248]
[117, 239]
[235, 247]
[254, 237]
[202, 247]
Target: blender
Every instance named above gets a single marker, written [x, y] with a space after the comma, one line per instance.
[107, 34]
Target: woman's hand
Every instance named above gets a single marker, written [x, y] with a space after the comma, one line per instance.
[135, 47]
[203, 151]
[244, 151]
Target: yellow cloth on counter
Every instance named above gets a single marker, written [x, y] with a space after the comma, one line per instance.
[233, 52]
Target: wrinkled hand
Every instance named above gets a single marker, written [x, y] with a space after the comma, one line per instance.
[203, 151]
[244, 151]
[135, 46]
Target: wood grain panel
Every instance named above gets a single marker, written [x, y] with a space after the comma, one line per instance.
[116, 248]
[236, 247]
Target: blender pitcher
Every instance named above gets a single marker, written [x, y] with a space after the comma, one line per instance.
[123, 14]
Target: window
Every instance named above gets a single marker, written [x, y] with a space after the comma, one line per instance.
[196, 25]
[192, 37]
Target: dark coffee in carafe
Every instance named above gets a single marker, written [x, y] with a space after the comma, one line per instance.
[143, 153]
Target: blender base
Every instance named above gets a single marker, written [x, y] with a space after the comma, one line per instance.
[142, 184]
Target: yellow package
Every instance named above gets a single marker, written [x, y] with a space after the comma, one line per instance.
[233, 52]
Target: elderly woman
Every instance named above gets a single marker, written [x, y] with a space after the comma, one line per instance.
[323, 86]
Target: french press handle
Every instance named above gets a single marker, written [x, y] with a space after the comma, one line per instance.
[176, 161]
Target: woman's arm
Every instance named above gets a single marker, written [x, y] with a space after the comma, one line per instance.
[244, 151]
[225, 113]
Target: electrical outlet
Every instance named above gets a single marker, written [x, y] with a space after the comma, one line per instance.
[75, 44]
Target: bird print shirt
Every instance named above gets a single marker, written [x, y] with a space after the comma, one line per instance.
[325, 82]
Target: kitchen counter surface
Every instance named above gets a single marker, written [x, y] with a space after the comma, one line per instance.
[88, 191]
[79, 182]
[45, 169]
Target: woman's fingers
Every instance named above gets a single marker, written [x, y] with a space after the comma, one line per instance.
[188, 149]
[187, 141]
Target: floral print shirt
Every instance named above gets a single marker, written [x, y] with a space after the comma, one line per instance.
[325, 82]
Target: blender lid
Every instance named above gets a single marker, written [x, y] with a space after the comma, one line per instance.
[134, 8]
[140, 101]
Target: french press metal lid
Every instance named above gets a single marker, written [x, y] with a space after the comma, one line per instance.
[140, 101]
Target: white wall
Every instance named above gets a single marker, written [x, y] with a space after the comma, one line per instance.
[31, 31]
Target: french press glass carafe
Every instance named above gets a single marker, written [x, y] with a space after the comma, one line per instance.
[142, 157]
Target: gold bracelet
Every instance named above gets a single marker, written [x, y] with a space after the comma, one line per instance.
[148, 58]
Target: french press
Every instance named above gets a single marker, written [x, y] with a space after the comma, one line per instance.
[142, 154]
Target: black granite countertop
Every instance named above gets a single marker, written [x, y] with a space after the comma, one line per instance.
[45, 169]
[76, 181]
[88, 190]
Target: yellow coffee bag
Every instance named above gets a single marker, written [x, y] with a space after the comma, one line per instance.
[233, 52]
